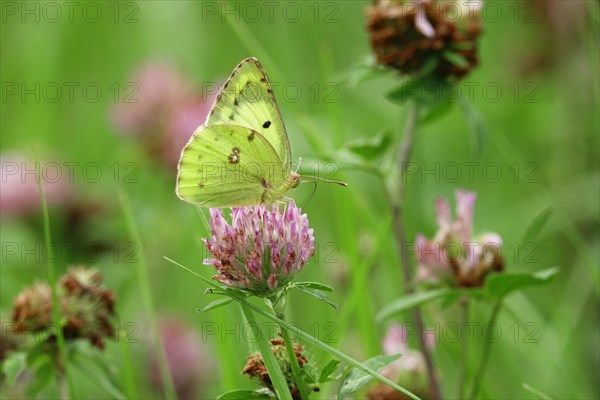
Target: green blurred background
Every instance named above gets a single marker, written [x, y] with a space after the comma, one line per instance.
[545, 123]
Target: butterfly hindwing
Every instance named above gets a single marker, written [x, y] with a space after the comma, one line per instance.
[247, 100]
[229, 166]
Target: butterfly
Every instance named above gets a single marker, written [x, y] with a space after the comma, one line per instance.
[241, 155]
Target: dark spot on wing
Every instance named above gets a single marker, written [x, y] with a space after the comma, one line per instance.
[267, 124]
[270, 91]
[200, 185]
[263, 80]
[251, 136]
[265, 184]
[236, 102]
[231, 117]
[234, 157]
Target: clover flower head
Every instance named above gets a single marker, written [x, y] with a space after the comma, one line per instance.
[425, 37]
[32, 310]
[86, 308]
[453, 256]
[409, 370]
[261, 249]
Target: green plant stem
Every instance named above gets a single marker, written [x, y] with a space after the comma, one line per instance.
[144, 283]
[289, 345]
[485, 355]
[63, 385]
[304, 335]
[464, 356]
[277, 378]
[62, 370]
[396, 193]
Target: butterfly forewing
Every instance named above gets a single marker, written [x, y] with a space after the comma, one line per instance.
[229, 166]
[247, 100]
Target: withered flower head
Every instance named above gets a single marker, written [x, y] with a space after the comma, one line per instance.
[414, 36]
[33, 308]
[255, 366]
[87, 306]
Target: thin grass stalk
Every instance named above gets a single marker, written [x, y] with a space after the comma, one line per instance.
[145, 288]
[67, 391]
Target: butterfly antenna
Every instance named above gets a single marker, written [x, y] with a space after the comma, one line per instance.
[311, 195]
[324, 180]
[299, 163]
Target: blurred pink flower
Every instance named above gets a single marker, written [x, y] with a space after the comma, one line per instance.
[182, 123]
[453, 256]
[158, 88]
[262, 249]
[409, 370]
[20, 195]
[163, 111]
[189, 362]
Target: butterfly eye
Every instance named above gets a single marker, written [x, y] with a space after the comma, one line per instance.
[296, 182]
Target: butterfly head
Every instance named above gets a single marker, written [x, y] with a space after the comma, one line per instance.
[294, 180]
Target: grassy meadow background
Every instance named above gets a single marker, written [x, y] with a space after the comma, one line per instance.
[544, 124]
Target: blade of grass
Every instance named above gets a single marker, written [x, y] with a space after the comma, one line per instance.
[50, 259]
[533, 390]
[305, 336]
[144, 283]
[127, 371]
[277, 378]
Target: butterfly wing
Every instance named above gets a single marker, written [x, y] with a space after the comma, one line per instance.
[247, 100]
[229, 166]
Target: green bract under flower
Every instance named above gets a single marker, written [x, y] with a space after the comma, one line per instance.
[262, 249]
